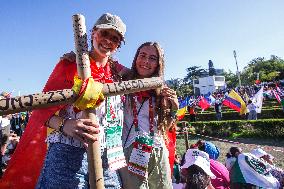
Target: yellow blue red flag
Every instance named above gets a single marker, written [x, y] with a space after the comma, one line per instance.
[234, 101]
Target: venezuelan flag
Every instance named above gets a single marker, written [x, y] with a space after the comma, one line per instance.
[234, 101]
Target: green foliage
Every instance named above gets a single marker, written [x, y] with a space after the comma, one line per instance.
[231, 79]
[269, 70]
[265, 128]
[181, 87]
[193, 73]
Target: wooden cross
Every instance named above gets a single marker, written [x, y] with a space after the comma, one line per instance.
[67, 96]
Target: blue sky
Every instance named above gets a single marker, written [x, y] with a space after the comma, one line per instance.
[34, 34]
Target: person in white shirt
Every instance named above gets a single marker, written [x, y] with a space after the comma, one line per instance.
[252, 110]
[147, 117]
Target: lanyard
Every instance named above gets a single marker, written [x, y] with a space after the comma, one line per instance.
[135, 115]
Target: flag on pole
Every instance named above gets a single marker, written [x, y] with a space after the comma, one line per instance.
[211, 100]
[182, 109]
[234, 101]
[279, 91]
[203, 103]
[258, 99]
[181, 113]
[182, 103]
[276, 96]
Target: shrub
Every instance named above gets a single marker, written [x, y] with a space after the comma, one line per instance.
[266, 128]
[233, 115]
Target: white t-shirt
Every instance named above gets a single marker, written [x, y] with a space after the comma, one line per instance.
[251, 107]
[178, 186]
[230, 162]
[143, 123]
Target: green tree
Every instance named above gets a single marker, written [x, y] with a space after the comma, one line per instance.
[231, 79]
[181, 87]
[194, 72]
[269, 70]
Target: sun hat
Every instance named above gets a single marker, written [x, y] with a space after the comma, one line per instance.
[258, 152]
[199, 158]
[109, 21]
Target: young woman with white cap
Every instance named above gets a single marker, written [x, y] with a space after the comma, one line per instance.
[196, 171]
[66, 161]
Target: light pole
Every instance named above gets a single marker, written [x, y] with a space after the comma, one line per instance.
[239, 75]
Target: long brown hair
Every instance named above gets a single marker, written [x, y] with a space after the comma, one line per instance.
[162, 106]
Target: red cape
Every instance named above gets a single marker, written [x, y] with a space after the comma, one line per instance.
[24, 168]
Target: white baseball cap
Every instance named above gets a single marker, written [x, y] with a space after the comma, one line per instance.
[199, 158]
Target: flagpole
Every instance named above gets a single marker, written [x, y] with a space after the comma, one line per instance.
[239, 76]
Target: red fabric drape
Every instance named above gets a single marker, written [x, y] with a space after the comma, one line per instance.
[25, 165]
[171, 146]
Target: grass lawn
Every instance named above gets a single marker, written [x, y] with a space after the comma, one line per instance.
[248, 144]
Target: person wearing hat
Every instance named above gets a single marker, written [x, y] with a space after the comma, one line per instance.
[222, 180]
[252, 172]
[64, 164]
[196, 171]
[67, 142]
[277, 172]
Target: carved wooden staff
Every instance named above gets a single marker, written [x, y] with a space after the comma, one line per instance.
[96, 179]
[65, 96]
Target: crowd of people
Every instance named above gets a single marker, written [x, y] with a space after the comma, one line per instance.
[199, 168]
[12, 127]
[247, 94]
[133, 129]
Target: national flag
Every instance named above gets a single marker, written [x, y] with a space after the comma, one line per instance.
[203, 103]
[252, 170]
[191, 101]
[182, 108]
[182, 103]
[234, 101]
[276, 96]
[281, 93]
[258, 99]
[211, 100]
[181, 113]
